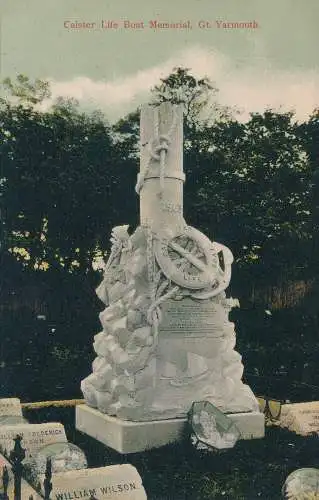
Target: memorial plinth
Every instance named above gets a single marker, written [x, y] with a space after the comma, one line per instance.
[126, 436]
[166, 340]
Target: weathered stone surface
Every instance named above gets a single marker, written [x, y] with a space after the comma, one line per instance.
[302, 418]
[192, 318]
[302, 484]
[35, 436]
[10, 406]
[12, 420]
[115, 481]
[170, 212]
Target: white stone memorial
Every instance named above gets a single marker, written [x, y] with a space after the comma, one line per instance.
[166, 340]
[34, 436]
[10, 407]
[120, 482]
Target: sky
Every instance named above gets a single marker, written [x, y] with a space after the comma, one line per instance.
[275, 65]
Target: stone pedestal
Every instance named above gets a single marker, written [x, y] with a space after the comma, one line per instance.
[131, 437]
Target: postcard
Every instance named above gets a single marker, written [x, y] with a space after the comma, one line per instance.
[159, 232]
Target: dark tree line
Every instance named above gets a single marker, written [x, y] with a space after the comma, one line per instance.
[67, 177]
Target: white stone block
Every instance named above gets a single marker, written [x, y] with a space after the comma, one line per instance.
[130, 437]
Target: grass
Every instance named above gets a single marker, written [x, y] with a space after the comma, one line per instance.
[252, 470]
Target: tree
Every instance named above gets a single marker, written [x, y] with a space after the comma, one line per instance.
[27, 92]
[309, 136]
[60, 184]
[253, 192]
[198, 97]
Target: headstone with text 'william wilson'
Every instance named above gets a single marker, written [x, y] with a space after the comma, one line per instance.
[10, 406]
[302, 418]
[120, 482]
[34, 436]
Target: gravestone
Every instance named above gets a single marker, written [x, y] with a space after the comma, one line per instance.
[302, 484]
[166, 340]
[35, 436]
[120, 482]
[301, 418]
[10, 407]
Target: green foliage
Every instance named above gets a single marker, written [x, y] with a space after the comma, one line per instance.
[198, 97]
[27, 92]
[61, 176]
[65, 173]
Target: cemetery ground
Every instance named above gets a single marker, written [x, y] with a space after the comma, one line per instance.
[51, 369]
[252, 470]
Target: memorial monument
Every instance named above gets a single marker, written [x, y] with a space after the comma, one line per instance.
[166, 340]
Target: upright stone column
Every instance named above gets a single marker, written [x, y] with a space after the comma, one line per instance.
[161, 177]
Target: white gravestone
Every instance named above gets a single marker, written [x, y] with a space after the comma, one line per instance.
[10, 407]
[34, 436]
[166, 340]
[120, 482]
[302, 418]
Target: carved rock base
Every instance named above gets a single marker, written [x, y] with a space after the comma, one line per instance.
[162, 346]
[132, 437]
